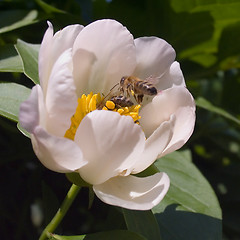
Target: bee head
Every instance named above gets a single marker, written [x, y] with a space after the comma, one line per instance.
[122, 81]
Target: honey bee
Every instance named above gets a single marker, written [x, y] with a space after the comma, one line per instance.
[130, 86]
[137, 87]
[117, 98]
[122, 101]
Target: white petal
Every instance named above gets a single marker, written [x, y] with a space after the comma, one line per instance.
[155, 145]
[83, 62]
[173, 77]
[44, 57]
[64, 39]
[52, 47]
[132, 192]
[174, 101]
[32, 110]
[61, 98]
[154, 57]
[185, 122]
[105, 52]
[111, 143]
[57, 154]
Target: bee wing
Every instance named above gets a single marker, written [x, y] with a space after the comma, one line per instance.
[152, 79]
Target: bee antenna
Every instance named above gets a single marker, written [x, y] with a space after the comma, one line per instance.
[114, 87]
[110, 91]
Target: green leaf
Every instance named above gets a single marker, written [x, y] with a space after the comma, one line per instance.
[14, 19]
[11, 96]
[190, 210]
[29, 55]
[10, 61]
[58, 237]
[142, 222]
[110, 235]
[223, 14]
[229, 47]
[23, 131]
[48, 8]
[203, 103]
[151, 170]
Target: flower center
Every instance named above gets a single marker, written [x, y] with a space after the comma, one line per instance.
[91, 102]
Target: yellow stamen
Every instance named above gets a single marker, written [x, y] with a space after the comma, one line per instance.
[132, 111]
[86, 104]
[91, 102]
[120, 111]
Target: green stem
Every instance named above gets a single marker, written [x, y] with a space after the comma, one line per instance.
[71, 195]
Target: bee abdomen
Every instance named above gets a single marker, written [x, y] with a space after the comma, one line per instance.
[146, 88]
[122, 101]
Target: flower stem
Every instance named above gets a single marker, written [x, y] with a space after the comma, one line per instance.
[71, 195]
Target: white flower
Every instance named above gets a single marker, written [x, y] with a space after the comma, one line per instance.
[107, 148]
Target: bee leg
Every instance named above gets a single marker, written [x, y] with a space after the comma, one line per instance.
[121, 89]
[129, 89]
[135, 97]
[139, 98]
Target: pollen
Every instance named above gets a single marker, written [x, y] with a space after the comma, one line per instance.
[132, 111]
[91, 102]
[110, 105]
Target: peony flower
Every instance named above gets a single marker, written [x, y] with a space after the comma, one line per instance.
[75, 129]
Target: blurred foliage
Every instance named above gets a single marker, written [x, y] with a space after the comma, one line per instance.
[206, 36]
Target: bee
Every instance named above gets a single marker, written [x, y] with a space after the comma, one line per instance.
[127, 87]
[122, 101]
[117, 98]
[137, 87]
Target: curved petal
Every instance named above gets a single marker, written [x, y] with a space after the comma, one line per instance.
[52, 47]
[155, 145]
[64, 39]
[177, 101]
[44, 57]
[83, 62]
[132, 192]
[32, 111]
[173, 77]
[111, 143]
[57, 154]
[185, 122]
[154, 57]
[109, 52]
[61, 98]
